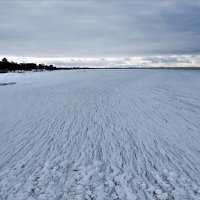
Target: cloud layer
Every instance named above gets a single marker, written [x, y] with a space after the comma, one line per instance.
[145, 61]
[91, 28]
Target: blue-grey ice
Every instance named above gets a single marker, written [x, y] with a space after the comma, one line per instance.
[100, 135]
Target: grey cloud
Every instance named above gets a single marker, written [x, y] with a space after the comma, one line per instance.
[167, 60]
[139, 61]
[99, 28]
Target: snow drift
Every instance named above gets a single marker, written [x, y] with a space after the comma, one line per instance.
[100, 134]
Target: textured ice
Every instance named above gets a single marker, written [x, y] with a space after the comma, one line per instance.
[100, 135]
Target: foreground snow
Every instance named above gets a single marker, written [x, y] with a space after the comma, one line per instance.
[100, 134]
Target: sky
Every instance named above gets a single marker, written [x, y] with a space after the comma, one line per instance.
[101, 33]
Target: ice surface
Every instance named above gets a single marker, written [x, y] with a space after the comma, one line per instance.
[100, 135]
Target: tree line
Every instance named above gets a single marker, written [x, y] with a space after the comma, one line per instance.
[6, 66]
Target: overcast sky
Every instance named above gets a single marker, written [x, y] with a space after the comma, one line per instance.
[99, 29]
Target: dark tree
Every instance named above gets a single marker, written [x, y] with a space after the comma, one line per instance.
[6, 66]
[4, 60]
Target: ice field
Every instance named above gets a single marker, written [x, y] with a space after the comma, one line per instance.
[100, 135]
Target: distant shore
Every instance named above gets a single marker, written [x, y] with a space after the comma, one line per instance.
[6, 66]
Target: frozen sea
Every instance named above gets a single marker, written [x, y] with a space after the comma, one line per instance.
[100, 135]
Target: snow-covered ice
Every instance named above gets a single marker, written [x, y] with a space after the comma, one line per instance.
[100, 135]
